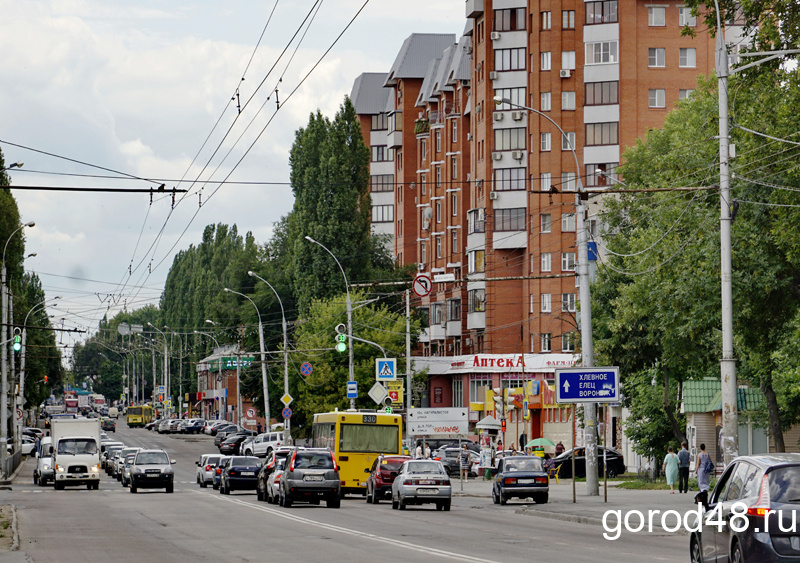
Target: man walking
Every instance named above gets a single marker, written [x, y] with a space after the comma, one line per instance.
[683, 468]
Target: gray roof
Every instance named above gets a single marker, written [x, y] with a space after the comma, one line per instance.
[443, 70]
[369, 96]
[416, 53]
[426, 91]
[459, 67]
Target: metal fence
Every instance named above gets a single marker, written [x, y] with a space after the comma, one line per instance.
[11, 463]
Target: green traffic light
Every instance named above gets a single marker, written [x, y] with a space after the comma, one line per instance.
[17, 344]
[341, 347]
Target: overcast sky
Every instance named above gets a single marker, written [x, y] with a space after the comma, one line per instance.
[136, 87]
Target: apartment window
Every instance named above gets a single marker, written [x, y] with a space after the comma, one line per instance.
[438, 211]
[547, 303]
[547, 20]
[382, 154]
[601, 52]
[567, 302]
[382, 213]
[602, 133]
[475, 221]
[509, 20]
[379, 122]
[453, 130]
[438, 176]
[546, 222]
[601, 175]
[509, 139]
[437, 313]
[687, 57]
[545, 342]
[545, 180]
[510, 219]
[454, 168]
[544, 102]
[509, 59]
[477, 302]
[547, 262]
[601, 12]
[423, 149]
[438, 247]
[544, 58]
[568, 223]
[454, 309]
[453, 205]
[458, 393]
[544, 141]
[438, 138]
[568, 60]
[656, 16]
[507, 179]
[568, 342]
[601, 93]
[568, 261]
[423, 252]
[685, 17]
[454, 241]
[657, 98]
[568, 182]
[656, 57]
[567, 101]
[381, 183]
[568, 141]
[423, 183]
[515, 95]
[567, 19]
[685, 93]
[476, 261]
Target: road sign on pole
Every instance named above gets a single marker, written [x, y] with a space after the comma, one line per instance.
[386, 369]
[378, 393]
[588, 385]
[306, 369]
[422, 285]
[286, 400]
[286, 412]
[438, 422]
[352, 390]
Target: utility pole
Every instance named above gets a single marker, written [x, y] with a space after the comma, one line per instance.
[408, 366]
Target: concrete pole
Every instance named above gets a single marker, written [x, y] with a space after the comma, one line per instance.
[21, 396]
[409, 374]
[4, 370]
[239, 385]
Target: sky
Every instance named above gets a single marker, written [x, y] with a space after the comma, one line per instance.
[139, 93]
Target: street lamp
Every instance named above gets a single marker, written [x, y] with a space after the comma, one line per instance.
[3, 350]
[351, 373]
[166, 363]
[587, 344]
[180, 371]
[286, 421]
[263, 364]
[211, 336]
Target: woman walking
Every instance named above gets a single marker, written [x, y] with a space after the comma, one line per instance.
[701, 469]
[670, 467]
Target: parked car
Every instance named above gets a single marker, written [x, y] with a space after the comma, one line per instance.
[221, 432]
[421, 481]
[225, 427]
[172, 426]
[381, 476]
[211, 424]
[194, 426]
[520, 477]
[152, 469]
[449, 457]
[274, 482]
[439, 443]
[241, 473]
[126, 469]
[113, 454]
[230, 445]
[43, 472]
[205, 469]
[223, 462]
[153, 424]
[33, 432]
[27, 445]
[310, 476]
[108, 424]
[268, 480]
[616, 464]
[264, 443]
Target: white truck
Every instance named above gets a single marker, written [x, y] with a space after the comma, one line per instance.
[76, 452]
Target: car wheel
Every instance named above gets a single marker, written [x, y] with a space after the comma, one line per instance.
[280, 499]
[170, 488]
[334, 502]
[401, 505]
[287, 501]
[495, 500]
[503, 499]
[203, 484]
[57, 486]
[737, 556]
[133, 488]
[375, 497]
[439, 506]
[696, 551]
[395, 504]
[35, 479]
[447, 506]
[369, 495]
[215, 486]
[259, 495]
[541, 498]
[611, 472]
[42, 482]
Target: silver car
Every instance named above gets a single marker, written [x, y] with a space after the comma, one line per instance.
[43, 472]
[421, 482]
[206, 466]
[119, 461]
[126, 469]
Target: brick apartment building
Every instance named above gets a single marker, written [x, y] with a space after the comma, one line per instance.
[485, 194]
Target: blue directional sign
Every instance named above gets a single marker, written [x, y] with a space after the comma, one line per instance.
[587, 385]
[352, 390]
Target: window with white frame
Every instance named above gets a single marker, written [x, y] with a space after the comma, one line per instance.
[547, 262]
[423, 149]
[601, 52]
[476, 261]
[568, 141]
[601, 93]
[438, 211]
[379, 122]
[454, 309]
[602, 133]
[514, 219]
[545, 180]
[544, 58]
[509, 59]
[568, 183]
[547, 303]
[656, 57]
[656, 16]
[381, 183]
[685, 17]
[601, 174]
[530, 303]
[515, 95]
[568, 342]
[544, 101]
[509, 179]
[475, 224]
[544, 141]
[509, 19]
[545, 342]
[438, 173]
[454, 241]
[601, 12]
[567, 19]
[510, 139]
[567, 261]
[438, 247]
[476, 385]
[477, 300]
[423, 252]
[547, 20]
[438, 138]
[567, 101]
[568, 60]
[458, 392]
[453, 130]
[567, 222]
[454, 168]
[567, 302]
[684, 93]
[382, 213]
[454, 205]
[657, 98]
[687, 57]
[546, 222]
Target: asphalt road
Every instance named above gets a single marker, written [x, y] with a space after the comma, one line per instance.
[195, 524]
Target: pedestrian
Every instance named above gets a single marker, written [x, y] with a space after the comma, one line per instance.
[427, 451]
[259, 428]
[559, 448]
[418, 452]
[683, 468]
[670, 468]
[464, 462]
[702, 470]
[548, 463]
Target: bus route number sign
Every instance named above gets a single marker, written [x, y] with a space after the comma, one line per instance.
[369, 419]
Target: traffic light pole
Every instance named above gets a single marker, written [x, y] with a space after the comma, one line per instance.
[4, 370]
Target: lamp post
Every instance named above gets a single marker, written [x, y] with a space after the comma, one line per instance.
[286, 421]
[3, 350]
[351, 373]
[211, 336]
[180, 371]
[263, 363]
[166, 363]
[587, 345]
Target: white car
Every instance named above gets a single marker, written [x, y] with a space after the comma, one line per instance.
[206, 466]
[263, 444]
[212, 424]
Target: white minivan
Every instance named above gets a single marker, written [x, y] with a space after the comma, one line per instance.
[113, 412]
[264, 443]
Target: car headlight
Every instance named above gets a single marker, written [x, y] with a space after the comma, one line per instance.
[45, 466]
[167, 471]
[60, 468]
[137, 470]
[96, 468]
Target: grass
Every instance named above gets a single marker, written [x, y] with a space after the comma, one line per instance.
[659, 484]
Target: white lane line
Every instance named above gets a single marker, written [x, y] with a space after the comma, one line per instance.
[351, 532]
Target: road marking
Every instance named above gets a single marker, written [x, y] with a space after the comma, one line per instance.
[351, 532]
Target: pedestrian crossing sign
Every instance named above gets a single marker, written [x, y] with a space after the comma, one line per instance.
[386, 369]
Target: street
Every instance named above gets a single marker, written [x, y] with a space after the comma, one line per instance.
[200, 524]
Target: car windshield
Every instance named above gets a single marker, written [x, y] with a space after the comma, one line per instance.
[313, 461]
[152, 458]
[77, 446]
[424, 467]
[247, 461]
[530, 464]
[213, 460]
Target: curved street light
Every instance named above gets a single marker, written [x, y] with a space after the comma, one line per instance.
[166, 361]
[211, 336]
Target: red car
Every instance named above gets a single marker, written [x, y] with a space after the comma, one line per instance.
[381, 476]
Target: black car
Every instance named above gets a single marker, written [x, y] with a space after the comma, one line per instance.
[748, 488]
[230, 445]
[108, 424]
[152, 469]
[241, 473]
[616, 464]
[223, 432]
[520, 477]
[230, 427]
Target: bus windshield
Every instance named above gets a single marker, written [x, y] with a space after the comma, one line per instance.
[134, 410]
[367, 438]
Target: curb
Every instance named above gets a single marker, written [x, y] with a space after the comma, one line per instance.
[681, 531]
[14, 529]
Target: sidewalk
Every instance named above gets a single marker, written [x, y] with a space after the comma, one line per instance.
[590, 510]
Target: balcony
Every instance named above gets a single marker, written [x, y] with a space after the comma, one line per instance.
[421, 126]
[474, 8]
[437, 117]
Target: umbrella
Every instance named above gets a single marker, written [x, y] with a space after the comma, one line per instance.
[539, 442]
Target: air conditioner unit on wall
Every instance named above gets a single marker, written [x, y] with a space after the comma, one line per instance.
[493, 75]
[421, 267]
[565, 73]
[469, 136]
[498, 116]
[494, 195]
[495, 35]
[497, 156]
[517, 155]
[516, 115]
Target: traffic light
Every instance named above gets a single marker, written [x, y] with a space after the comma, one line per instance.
[503, 426]
[17, 340]
[45, 380]
[510, 406]
[498, 399]
[341, 343]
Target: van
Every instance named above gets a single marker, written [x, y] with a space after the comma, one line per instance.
[263, 444]
[43, 472]
[113, 412]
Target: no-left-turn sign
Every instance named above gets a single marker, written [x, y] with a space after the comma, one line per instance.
[422, 285]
